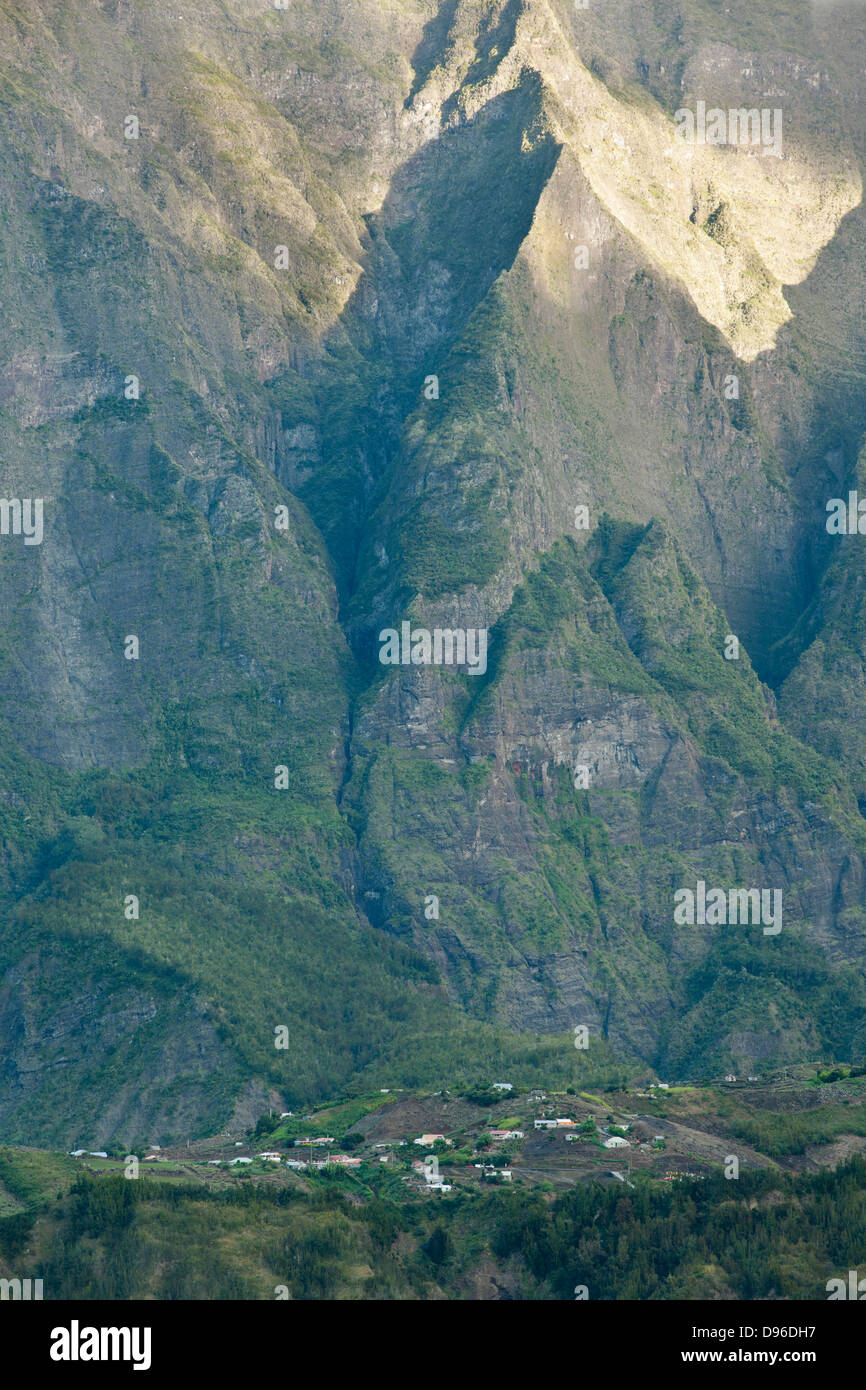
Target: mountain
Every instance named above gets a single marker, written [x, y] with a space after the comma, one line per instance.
[323, 319]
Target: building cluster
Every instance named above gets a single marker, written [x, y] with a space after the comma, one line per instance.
[428, 1169]
[488, 1170]
[332, 1161]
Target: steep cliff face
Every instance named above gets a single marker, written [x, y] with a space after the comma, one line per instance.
[324, 319]
[662, 378]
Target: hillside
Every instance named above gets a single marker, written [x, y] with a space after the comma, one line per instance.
[532, 1218]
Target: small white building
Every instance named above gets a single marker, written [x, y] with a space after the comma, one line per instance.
[270, 1157]
[616, 1141]
[489, 1171]
[503, 1086]
[545, 1124]
[233, 1161]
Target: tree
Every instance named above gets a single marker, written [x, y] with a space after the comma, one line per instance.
[438, 1245]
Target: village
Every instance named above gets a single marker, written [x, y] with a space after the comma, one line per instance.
[440, 1144]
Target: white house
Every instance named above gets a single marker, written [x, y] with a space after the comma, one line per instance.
[490, 1171]
[428, 1140]
[270, 1157]
[503, 1086]
[616, 1141]
[232, 1161]
[545, 1124]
